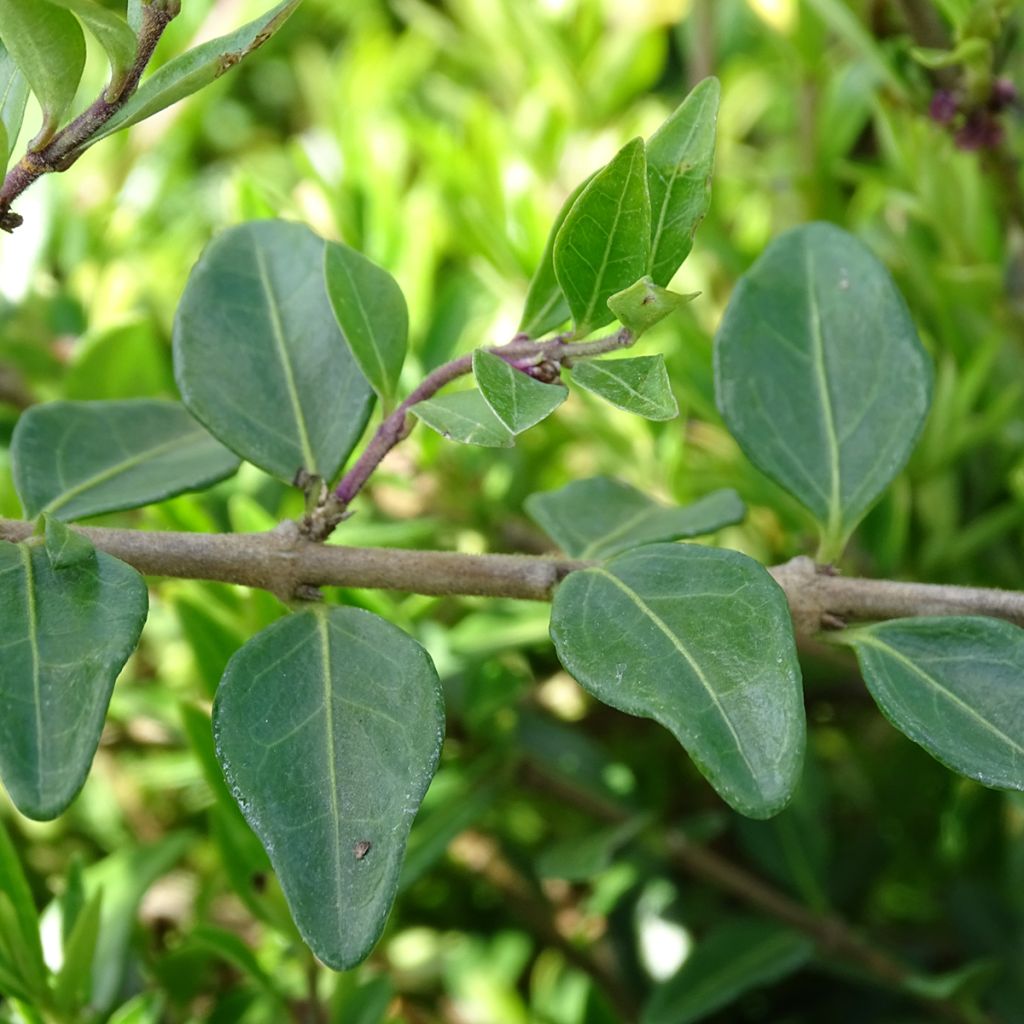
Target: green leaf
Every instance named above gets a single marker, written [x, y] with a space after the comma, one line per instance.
[196, 68]
[77, 459]
[733, 959]
[64, 546]
[234, 950]
[465, 417]
[700, 640]
[515, 398]
[644, 304]
[74, 981]
[328, 726]
[820, 376]
[13, 97]
[601, 517]
[372, 314]
[259, 357]
[546, 306]
[136, 14]
[113, 34]
[604, 243]
[953, 685]
[680, 159]
[67, 634]
[144, 1009]
[640, 385]
[21, 972]
[581, 858]
[23, 930]
[48, 46]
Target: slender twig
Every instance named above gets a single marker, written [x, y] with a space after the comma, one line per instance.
[71, 142]
[287, 563]
[522, 353]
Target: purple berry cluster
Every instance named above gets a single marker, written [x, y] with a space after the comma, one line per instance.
[974, 126]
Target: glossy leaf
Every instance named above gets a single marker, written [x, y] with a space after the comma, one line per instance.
[640, 385]
[48, 46]
[733, 959]
[465, 417]
[329, 725]
[644, 304]
[680, 158]
[66, 635]
[515, 398]
[112, 32]
[77, 459]
[820, 376]
[701, 640]
[604, 244]
[195, 69]
[13, 97]
[259, 357]
[953, 685]
[546, 306]
[372, 314]
[601, 517]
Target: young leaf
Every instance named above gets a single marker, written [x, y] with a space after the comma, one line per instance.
[546, 307]
[259, 357]
[701, 640]
[820, 375]
[64, 546]
[465, 417]
[515, 398]
[328, 726]
[48, 46]
[953, 685]
[372, 314]
[640, 385]
[680, 158]
[604, 244]
[196, 68]
[601, 517]
[13, 97]
[74, 981]
[24, 929]
[68, 633]
[77, 459]
[644, 304]
[733, 959]
[113, 34]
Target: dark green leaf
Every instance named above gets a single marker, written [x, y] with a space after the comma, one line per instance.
[700, 640]
[515, 398]
[233, 949]
[24, 931]
[601, 517]
[66, 635]
[48, 46]
[77, 459]
[196, 68]
[735, 958]
[372, 314]
[13, 97]
[638, 385]
[259, 357]
[329, 725]
[820, 376]
[644, 304]
[74, 980]
[113, 34]
[953, 685]
[64, 546]
[546, 307]
[604, 244]
[680, 158]
[465, 417]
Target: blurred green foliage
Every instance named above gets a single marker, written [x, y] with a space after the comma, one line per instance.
[440, 139]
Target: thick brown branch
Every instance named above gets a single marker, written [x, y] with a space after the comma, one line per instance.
[284, 562]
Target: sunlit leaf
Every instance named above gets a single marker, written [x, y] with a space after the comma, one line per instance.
[639, 386]
[515, 398]
[465, 417]
[644, 304]
[13, 97]
[112, 32]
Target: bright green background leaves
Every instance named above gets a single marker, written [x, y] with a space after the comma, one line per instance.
[954, 686]
[259, 357]
[329, 726]
[820, 376]
[67, 633]
[701, 640]
[78, 459]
